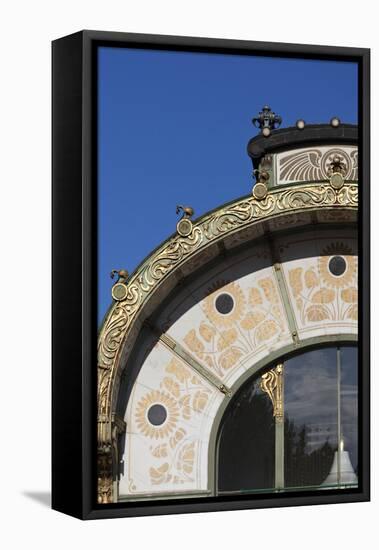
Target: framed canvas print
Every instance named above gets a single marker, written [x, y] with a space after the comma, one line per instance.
[210, 275]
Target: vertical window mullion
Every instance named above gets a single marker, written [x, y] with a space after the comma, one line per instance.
[272, 383]
[279, 442]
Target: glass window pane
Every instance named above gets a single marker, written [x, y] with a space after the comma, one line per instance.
[310, 429]
[247, 442]
[349, 403]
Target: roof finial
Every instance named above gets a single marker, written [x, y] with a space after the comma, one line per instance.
[184, 225]
[267, 120]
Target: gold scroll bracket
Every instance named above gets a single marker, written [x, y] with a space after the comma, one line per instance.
[272, 383]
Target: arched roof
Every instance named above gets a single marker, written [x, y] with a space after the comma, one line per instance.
[232, 224]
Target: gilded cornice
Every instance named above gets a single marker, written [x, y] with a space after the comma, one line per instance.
[178, 250]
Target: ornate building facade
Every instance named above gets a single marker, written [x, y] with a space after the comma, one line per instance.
[227, 360]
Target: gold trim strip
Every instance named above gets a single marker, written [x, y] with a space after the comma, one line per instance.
[291, 319]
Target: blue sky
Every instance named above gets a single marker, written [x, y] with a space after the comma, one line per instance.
[173, 129]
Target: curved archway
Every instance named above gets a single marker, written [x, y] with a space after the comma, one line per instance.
[198, 348]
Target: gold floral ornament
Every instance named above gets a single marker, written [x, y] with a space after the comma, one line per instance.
[350, 296]
[311, 279]
[186, 459]
[156, 397]
[346, 274]
[269, 290]
[235, 304]
[230, 357]
[255, 297]
[295, 278]
[252, 319]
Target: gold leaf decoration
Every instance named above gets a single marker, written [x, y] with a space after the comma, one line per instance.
[269, 289]
[349, 295]
[317, 313]
[235, 315]
[160, 451]
[178, 436]
[347, 278]
[229, 358]
[295, 280]
[172, 386]
[209, 361]
[266, 330]
[160, 474]
[227, 337]
[194, 343]
[323, 296]
[169, 403]
[186, 406]
[199, 401]
[178, 370]
[311, 279]
[207, 332]
[186, 458]
[255, 297]
[252, 319]
[277, 312]
[352, 312]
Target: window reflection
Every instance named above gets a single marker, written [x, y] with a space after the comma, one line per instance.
[349, 403]
[317, 444]
[311, 417]
[247, 443]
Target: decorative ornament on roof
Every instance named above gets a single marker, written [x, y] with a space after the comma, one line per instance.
[122, 274]
[260, 188]
[119, 289]
[267, 121]
[335, 122]
[300, 124]
[184, 225]
[337, 171]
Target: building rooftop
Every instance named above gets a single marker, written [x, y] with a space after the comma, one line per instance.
[274, 140]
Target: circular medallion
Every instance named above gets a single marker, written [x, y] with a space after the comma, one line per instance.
[157, 414]
[224, 303]
[184, 227]
[327, 159]
[119, 292]
[259, 191]
[336, 180]
[337, 265]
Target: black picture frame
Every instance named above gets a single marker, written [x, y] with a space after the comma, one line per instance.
[74, 271]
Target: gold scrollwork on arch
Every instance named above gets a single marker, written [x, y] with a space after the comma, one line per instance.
[176, 251]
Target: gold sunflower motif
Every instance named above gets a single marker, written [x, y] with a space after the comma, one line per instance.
[345, 256]
[225, 304]
[156, 397]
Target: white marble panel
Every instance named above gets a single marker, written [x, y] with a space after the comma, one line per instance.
[229, 343]
[171, 456]
[313, 163]
[323, 303]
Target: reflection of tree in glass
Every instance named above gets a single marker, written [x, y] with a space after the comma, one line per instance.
[247, 442]
[301, 466]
